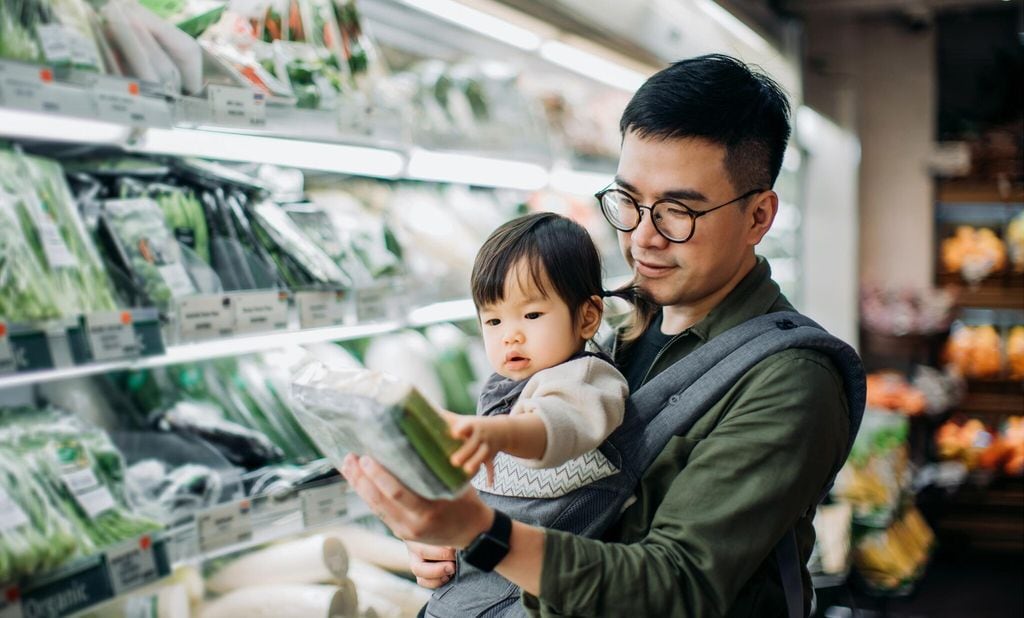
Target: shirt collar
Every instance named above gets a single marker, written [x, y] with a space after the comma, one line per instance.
[754, 295]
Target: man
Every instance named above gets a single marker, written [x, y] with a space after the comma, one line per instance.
[703, 142]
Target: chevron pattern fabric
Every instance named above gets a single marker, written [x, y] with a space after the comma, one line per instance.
[512, 478]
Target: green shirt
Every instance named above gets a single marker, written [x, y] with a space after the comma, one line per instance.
[698, 540]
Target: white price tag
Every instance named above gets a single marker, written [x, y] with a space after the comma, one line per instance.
[111, 335]
[372, 304]
[7, 364]
[28, 87]
[96, 502]
[224, 525]
[324, 505]
[119, 101]
[132, 564]
[11, 515]
[319, 309]
[261, 311]
[206, 316]
[10, 602]
[80, 481]
[55, 42]
[238, 106]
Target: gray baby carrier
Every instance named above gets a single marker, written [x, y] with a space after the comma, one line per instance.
[668, 405]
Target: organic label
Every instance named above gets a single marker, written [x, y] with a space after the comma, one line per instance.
[111, 335]
[224, 525]
[238, 106]
[132, 564]
[261, 311]
[11, 515]
[324, 505]
[319, 309]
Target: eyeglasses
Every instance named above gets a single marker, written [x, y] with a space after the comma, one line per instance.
[674, 220]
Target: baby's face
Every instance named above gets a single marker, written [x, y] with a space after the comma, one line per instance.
[526, 331]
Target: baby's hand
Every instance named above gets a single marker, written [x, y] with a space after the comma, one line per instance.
[481, 438]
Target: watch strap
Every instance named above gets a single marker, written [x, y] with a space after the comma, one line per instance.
[490, 548]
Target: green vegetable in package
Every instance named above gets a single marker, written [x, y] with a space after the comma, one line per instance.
[53, 228]
[147, 250]
[371, 413]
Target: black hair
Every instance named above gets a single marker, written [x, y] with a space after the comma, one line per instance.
[547, 244]
[720, 99]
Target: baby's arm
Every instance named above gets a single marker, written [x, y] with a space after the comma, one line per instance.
[522, 435]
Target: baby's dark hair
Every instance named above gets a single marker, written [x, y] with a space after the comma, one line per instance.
[546, 243]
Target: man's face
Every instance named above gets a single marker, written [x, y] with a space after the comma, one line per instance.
[693, 172]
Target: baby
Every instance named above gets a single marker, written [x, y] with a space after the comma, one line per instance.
[542, 416]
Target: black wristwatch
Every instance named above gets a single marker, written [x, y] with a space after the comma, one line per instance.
[489, 548]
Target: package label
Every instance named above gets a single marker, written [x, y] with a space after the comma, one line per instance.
[28, 87]
[261, 311]
[206, 316]
[132, 564]
[11, 515]
[319, 309]
[372, 304]
[77, 474]
[111, 335]
[224, 525]
[238, 106]
[324, 505]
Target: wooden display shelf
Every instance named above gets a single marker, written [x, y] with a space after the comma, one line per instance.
[989, 518]
[958, 191]
[992, 406]
[1000, 291]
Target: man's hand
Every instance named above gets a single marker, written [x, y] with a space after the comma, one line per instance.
[482, 438]
[451, 523]
[432, 566]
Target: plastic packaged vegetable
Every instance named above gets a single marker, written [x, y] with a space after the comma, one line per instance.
[371, 413]
[54, 228]
[138, 237]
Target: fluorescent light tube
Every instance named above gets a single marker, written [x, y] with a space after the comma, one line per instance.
[579, 183]
[478, 21]
[473, 170]
[51, 127]
[733, 24]
[591, 65]
[339, 158]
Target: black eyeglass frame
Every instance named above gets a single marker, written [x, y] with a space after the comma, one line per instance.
[694, 214]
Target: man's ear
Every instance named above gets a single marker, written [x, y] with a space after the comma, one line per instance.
[590, 316]
[761, 213]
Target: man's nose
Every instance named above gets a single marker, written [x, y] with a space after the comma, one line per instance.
[646, 235]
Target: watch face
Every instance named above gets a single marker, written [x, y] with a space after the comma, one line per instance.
[491, 547]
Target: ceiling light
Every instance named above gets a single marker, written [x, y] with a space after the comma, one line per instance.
[734, 25]
[478, 21]
[591, 65]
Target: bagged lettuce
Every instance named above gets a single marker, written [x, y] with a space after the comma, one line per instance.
[372, 413]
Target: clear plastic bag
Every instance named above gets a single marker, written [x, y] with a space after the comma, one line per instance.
[372, 413]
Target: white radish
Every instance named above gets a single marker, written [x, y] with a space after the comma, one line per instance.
[373, 547]
[170, 77]
[387, 594]
[182, 49]
[133, 53]
[310, 560]
[288, 601]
